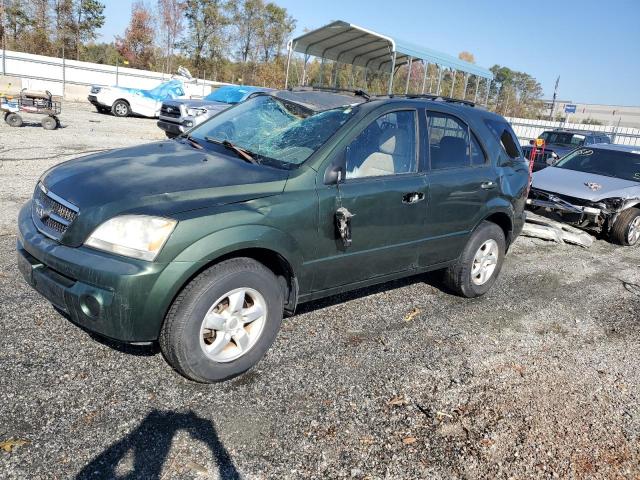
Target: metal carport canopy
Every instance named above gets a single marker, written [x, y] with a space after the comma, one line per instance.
[347, 43]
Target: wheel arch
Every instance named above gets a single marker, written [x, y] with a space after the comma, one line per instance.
[274, 249]
[504, 221]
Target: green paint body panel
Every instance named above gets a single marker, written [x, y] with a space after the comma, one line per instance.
[225, 207]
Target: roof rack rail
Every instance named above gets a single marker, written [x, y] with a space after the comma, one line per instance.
[357, 92]
[429, 96]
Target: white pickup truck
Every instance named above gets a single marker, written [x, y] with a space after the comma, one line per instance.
[123, 102]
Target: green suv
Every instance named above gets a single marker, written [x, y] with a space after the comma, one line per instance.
[204, 242]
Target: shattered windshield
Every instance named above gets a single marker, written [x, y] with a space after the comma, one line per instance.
[563, 138]
[610, 163]
[171, 89]
[270, 129]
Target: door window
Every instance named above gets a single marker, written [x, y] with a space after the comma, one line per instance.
[386, 147]
[448, 142]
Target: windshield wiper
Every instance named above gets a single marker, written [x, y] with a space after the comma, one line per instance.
[194, 143]
[241, 152]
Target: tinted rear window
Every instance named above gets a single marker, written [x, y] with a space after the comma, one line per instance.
[505, 135]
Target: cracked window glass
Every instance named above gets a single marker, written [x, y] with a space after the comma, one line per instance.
[274, 130]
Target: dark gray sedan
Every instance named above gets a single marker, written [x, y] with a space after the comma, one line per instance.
[595, 187]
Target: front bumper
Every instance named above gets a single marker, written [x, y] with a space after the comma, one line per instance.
[569, 211]
[171, 127]
[117, 297]
[93, 100]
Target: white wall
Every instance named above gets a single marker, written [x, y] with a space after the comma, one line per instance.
[527, 129]
[54, 74]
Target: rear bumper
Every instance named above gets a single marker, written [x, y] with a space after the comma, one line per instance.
[120, 298]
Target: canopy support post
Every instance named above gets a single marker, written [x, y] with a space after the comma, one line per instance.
[406, 87]
[486, 99]
[475, 94]
[439, 80]
[322, 71]
[335, 75]
[466, 83]
[366, 71]
[393, 67]
[286, 75]
[453, 82]
[304, 70]
[424, 78]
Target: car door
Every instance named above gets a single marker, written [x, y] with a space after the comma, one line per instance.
[385, 191]
[462, 182]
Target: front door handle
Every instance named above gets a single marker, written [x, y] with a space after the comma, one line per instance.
[412, 197]
[488, 185]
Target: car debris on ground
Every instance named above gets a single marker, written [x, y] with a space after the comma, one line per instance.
[547, 229]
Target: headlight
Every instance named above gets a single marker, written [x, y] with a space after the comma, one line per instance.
[95, 90]
[137, 236]
[195, 112]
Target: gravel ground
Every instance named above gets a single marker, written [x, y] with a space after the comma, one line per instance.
[538, 379]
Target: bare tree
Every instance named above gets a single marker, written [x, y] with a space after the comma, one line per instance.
[171, 20]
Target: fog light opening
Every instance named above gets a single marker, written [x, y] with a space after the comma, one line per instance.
[90, 305]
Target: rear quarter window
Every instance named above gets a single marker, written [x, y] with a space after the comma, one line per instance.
[504, 134]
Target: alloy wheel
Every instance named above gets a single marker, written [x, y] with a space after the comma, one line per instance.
[233, 324]
[485, 262]
[633, 235]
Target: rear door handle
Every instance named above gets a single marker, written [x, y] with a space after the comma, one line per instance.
[488, 185]
[412, 197]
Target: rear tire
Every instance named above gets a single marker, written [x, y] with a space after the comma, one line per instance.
[480, 263]
[13, 119]
[49, 123]
[230, 294]
[121, 108]
[626, 229]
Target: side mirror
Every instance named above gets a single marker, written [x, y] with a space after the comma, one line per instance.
[335, 172]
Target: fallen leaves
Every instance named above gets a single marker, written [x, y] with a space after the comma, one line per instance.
[412, 314]
[11, 444]
[397, 401]
[409, 440]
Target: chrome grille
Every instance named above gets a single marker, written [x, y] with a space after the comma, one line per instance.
[52, 214]
[170, 111]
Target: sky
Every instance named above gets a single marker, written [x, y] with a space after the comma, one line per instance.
[594, 46]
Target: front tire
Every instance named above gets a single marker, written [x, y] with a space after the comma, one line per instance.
[49, 123]
[480, 263]
[223, 322]
[121, 108]
[626, 229]
[13, 119]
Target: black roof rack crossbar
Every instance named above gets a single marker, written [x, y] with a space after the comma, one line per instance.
[430, 96]
[356, 92]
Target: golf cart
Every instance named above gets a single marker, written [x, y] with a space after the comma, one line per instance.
[31, 102]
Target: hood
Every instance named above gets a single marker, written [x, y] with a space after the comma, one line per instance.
[163, 178]
[559, 149]
[198, 103]
[574, 184]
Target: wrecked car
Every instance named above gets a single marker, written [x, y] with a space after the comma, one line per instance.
[202, 243]
[559, 142]
[596, 188]
[178, 116]
[122, 102]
